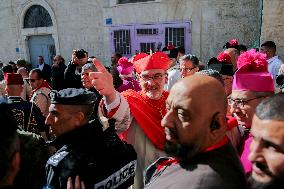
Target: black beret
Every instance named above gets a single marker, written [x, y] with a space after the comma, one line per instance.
[72, 96]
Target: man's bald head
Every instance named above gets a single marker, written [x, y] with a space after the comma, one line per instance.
[234, 54]
[205, 90]
[196, 116]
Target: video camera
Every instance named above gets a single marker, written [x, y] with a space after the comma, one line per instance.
[280, 81]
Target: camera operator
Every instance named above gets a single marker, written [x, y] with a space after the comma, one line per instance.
[72, 74]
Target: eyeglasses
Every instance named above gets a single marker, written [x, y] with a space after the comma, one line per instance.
[156, 77]
[32, 80]
[241, 102]
[186, 69]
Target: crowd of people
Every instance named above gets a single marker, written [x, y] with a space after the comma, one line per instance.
[156, 120]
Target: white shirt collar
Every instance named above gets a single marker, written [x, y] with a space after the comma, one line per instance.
[272, 59]
[40, 66]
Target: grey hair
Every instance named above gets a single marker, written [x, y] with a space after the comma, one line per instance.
[212, 73]
[271, 108]
[89, 66]
[192, 58]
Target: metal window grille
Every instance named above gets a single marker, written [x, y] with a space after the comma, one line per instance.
[149, 31]
[37, 16]
[121, 41]
[175, 36]
[131, 1]
[146, 47]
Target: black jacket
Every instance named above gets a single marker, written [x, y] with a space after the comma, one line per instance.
[99, 157]
[27, 114]
[57, 76]
[71, 78]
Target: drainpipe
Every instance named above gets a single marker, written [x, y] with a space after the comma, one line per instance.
[261, 22]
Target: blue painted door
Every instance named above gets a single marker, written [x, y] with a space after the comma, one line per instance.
[42, 45]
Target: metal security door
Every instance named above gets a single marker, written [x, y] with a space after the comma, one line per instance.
[41, 46]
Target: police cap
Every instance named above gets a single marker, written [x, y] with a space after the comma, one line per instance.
[72, 96]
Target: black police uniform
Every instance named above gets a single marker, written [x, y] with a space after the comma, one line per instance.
[27, 114]
[99, 157]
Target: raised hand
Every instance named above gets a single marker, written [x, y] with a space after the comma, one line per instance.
[103, 82]
[75, 60]
[78, 184]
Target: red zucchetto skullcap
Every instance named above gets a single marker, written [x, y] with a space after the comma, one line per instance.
[158, 60]
[234, 42]
[224, 58]
[14, 79]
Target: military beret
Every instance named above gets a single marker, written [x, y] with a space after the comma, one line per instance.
[72, 96]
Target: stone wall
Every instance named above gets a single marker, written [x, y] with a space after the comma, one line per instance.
[273, 24]
[214, 22]
[8, 31]
[81, 24]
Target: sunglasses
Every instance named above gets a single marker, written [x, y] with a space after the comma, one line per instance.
[32, 80]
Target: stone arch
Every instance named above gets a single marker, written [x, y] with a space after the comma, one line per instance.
[26, 32]
[37, 16]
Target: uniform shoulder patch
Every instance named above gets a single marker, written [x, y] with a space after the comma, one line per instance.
[56, 158]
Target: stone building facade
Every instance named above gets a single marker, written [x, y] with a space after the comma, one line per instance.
[100, 26]
[273, 24]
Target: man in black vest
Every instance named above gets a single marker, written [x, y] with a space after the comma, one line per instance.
[27, 114]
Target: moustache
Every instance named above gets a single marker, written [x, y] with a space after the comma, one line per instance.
[263, 168]
[171, 132]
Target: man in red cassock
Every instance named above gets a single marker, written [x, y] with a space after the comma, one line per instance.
[138, 115]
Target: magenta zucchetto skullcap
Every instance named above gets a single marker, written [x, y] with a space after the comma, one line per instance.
[252, 74]
[124, 66]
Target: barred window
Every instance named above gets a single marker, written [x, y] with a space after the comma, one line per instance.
[146, 47]
[37, 16]
[151, 31]
[131, 1]
[175, 36]
[121, 41]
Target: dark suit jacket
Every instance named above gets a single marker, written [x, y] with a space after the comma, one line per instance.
[46, 73]
[217, 169]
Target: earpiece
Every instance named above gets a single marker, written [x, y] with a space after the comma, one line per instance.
[214, 123]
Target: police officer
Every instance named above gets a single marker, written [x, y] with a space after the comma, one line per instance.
[99, 157]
